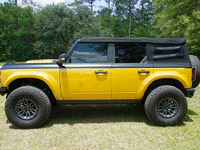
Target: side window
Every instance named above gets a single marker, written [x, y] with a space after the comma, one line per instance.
[129, 52]
[90, 53]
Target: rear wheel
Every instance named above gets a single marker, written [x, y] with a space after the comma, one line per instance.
[195, 64]
[27, 107]
[166, 105]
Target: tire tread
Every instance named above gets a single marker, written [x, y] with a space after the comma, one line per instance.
[36, 92]
[149, 105]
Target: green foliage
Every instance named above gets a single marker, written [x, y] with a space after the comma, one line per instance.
[16, 33]
[55, 28]
[125, 10]
[79, 3]
[143, 17]
[119, 20]
[91, 2]
[90, 26]
[59, 27]
[119, 26]
[179, 19]
[51, 31]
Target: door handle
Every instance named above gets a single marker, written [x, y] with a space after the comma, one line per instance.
[143, 71]
[104, 72]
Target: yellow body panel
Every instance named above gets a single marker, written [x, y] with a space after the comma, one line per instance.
[40, 61]
[183, 75]
[127, 81]
[49, 76]
[84, 84]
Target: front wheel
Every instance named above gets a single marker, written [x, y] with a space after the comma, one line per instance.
[166, 105]
[27, 107]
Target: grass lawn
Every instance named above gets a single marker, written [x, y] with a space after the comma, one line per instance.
[103, 127]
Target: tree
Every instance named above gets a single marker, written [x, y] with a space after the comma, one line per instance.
[179, 19]
[30, 3]
[16, 33]
[59, 26]
[80, 3]
[13, 2]
[143, 19]
[108, 11]
[55, 26]
[125, 9]
[90, 3]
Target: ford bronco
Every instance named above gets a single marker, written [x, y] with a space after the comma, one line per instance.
[156, 72]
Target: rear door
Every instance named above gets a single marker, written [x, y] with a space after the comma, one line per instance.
[129, 70]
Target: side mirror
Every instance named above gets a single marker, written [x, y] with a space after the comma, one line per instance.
[62, 58]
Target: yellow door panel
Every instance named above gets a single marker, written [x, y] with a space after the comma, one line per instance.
[127, 81]
[86, 83]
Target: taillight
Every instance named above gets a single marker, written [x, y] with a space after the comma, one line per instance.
[193, 73]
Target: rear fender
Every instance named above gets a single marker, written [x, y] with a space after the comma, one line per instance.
[184, 77]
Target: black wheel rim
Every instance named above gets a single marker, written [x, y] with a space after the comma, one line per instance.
[26, 108]
[168, 107]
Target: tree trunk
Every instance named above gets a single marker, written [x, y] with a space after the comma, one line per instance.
[91, 5]
[129, 33]
[109, 14]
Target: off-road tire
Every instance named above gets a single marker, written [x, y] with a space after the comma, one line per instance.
[157, 96]
[195, 64]
[39, 101]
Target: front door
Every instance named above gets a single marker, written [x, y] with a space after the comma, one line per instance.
[88, 74]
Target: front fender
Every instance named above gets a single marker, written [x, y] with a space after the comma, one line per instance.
[51, 78]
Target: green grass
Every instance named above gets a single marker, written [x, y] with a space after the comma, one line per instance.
[103, 127]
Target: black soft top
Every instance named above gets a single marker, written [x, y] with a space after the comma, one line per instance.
[140, 40]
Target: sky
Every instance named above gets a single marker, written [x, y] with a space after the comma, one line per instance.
[96, 6]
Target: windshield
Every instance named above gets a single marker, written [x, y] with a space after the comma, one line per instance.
[71, 49]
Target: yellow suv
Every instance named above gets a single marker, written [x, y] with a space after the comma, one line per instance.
[154, 71]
